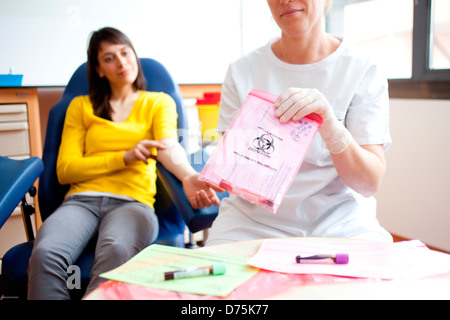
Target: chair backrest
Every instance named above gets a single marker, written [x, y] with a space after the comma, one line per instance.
[51, 193]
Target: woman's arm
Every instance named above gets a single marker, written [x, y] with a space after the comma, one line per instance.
[173, 157]
[72, 165]
[361, 167]
[200, 194]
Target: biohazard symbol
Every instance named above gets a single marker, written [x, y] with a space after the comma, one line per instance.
[264, 143]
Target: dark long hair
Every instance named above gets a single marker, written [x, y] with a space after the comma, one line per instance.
[99, 88]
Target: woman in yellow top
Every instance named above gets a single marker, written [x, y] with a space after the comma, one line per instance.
[109, 144]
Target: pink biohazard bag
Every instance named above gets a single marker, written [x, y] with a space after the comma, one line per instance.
[258, 156]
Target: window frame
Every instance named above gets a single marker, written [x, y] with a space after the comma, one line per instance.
[424, 83]
[422, 28]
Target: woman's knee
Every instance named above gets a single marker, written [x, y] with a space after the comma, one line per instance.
[114, 250]
[46, 257]
[134, 224]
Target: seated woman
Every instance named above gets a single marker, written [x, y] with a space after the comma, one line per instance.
[109, 144]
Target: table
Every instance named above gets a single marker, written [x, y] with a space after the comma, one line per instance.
[431, 288]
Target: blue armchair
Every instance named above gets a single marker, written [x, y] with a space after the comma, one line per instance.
[170, 214]
[17, 178]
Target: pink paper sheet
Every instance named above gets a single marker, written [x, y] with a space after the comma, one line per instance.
[367, 259]
[413, 259]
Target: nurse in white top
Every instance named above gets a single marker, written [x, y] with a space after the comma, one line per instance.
[312, 71]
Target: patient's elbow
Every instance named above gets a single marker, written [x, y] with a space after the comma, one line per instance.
[62, 174]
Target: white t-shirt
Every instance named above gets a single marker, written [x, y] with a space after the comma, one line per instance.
[318, 204]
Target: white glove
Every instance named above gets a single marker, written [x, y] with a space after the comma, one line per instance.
[295, 103]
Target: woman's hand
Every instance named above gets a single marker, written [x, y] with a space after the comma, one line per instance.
[360, 167]
[295, 103]
[200, 194]
[141, 151]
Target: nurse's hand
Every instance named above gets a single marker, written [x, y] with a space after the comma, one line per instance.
[296, 103]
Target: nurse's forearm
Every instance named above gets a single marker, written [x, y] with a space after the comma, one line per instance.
[361, 167]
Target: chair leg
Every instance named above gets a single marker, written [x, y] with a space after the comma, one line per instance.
[192, 244]
[205, 235]
[27, 212]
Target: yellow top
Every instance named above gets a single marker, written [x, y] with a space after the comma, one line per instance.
[91, 152]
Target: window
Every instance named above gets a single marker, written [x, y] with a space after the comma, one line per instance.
[382, 29]
[410, 38]
[440, 35]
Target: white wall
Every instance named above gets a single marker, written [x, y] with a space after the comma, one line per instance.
[46, 40]
[414, 201]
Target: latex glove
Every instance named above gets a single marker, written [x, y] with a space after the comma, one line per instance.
[296, 103]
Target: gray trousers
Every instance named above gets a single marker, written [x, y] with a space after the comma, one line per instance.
[124, 228]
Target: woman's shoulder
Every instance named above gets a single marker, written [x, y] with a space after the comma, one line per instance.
[153, 95]
[83, 99]
[156, 99]
[81, 103]
[355, 57]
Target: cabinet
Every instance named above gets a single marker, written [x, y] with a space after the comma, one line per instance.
[20, 137]
[14, 133]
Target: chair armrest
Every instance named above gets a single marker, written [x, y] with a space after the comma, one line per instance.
[195, 219]
[18, 176]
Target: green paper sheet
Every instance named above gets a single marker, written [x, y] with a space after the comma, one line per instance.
[156, 259]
